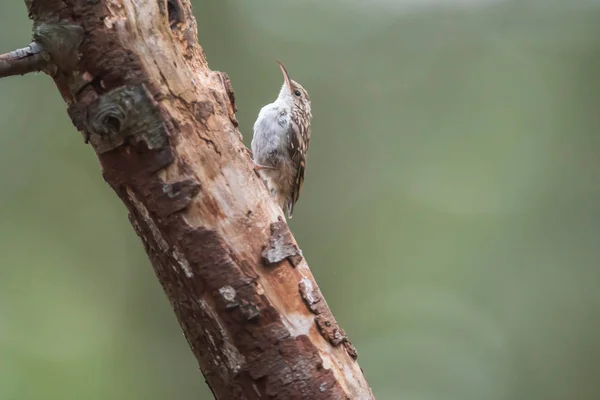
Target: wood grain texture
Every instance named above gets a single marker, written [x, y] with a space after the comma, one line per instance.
[163, 126]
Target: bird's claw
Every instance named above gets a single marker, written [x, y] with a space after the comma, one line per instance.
[260, 167]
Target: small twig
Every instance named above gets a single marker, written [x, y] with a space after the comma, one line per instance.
[32, 58]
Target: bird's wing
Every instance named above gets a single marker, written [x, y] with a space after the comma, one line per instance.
[299, 139]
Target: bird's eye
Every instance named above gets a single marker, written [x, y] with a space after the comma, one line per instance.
[297, 93]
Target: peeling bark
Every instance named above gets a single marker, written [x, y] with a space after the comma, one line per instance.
[164, 129]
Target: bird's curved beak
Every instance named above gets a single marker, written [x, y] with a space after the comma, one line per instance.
[286, 77]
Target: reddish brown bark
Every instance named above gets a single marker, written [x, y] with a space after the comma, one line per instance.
[164, 128]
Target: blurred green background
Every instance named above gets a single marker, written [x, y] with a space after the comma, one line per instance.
[451, 210]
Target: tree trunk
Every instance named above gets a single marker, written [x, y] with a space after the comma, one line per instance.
[163, 126]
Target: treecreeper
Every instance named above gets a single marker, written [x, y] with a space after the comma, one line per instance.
[280, 142]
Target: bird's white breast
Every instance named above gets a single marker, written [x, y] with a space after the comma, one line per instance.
[270, 132]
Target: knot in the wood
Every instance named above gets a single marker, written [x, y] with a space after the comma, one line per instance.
[108, 120]
[61, 40]
[122, 113]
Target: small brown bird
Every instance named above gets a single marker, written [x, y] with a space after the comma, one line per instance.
[280, 142]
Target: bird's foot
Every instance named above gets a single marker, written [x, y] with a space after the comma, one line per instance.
[260, 167]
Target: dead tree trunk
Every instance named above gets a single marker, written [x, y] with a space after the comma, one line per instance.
[163, 126]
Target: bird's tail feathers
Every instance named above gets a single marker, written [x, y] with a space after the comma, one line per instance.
[290, 208]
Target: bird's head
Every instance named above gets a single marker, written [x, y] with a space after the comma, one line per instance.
[293, 94]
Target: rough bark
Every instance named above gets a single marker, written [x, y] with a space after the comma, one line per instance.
[164, 129]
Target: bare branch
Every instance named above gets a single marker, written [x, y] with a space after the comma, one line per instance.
[32, 58]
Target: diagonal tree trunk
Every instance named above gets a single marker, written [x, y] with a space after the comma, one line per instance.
[163, 126]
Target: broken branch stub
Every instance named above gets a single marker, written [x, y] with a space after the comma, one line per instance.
[164, 129]
[32, 58]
